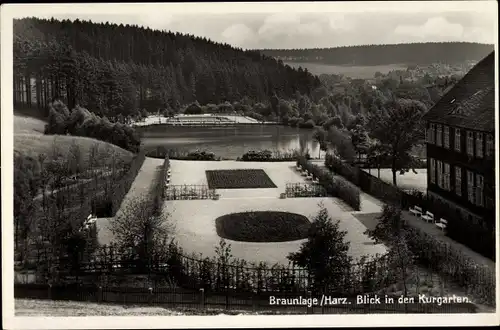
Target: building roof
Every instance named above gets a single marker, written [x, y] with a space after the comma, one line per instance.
[470, 103]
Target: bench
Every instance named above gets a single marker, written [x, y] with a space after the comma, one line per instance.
[442, 224]
[428, 217]
[416, 211]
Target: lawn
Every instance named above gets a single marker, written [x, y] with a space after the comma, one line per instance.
[34, 145]
[407, 181]
[263, 226]
[238, 179]
[29, 140]
[28, 125]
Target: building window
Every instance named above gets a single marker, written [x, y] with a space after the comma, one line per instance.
[439, 135]
[470, 186]
[479, 190]
[490, 146]
[470, 144]
[458, 181]
[433, 170]
[446, 137]
[446, 174]
[440, 173]
[479, 145]
[458, 147]
[430, 133]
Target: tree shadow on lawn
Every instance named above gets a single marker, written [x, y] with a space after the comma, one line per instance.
[369, 220]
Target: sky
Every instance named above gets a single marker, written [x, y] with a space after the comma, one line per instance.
[296, 25]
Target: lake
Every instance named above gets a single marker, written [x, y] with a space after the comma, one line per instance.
[230, 142]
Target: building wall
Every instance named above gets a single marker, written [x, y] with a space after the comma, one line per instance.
[484, 166]
[466, 213]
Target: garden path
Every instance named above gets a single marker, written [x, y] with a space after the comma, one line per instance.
[141, 186]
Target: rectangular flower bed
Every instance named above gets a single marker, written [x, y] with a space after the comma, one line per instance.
[238, 179]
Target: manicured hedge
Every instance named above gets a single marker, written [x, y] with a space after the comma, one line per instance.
[123, 186]
[335, 186]
[162, 152]
[336, 165]
[271, 156]
[257, 156]
[365, 181]
[159, 189]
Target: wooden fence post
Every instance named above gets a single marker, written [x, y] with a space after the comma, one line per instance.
[150, 295]
[202, 298]
[309, 309]
[99, 294]
[50, 291]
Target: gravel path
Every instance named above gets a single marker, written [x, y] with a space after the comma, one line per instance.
[142, 184]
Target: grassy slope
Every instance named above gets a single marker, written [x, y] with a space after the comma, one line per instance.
[29, 140]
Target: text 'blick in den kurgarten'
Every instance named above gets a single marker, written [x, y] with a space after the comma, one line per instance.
[326, 300]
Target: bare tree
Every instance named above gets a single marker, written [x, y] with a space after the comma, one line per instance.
[135, 227]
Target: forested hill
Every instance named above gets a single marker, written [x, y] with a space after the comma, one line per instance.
[119, 68]
[415, 53]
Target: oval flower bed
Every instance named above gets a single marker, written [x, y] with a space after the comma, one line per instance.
[262, 226]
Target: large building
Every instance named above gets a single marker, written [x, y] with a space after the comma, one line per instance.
[460, 136]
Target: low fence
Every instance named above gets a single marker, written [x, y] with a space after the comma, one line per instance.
[304, 190]
[109, 264]
[302, 303]
[187, 192]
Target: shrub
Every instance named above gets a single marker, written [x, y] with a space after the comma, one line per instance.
[162, 152]
[271, 156]
[325, 253]
[81, 122]
[193, 109]
[439, 256]
[257, 156]
[479, 281]
[307, 124]
[335, 186]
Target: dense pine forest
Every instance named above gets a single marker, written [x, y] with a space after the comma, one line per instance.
[414, 53]
[122, 72]
[117, 69]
